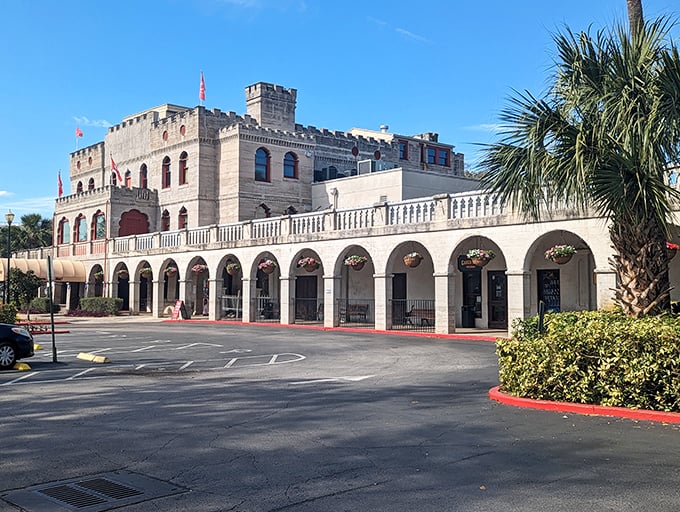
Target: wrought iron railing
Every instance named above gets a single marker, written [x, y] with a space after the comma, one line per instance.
[355, 312]
[413, 315]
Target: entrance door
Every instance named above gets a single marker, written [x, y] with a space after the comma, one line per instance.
[498, 299]
[472, 297]
[399, 299]
[305, 298]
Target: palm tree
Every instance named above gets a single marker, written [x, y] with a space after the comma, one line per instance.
[634, 14]
[602, 138]
[34, 232]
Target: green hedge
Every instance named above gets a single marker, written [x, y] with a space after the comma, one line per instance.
[8, 313]
[102, 305]
[595, 357]
[42, 305]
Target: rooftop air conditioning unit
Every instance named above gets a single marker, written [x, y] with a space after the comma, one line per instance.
[366, 166]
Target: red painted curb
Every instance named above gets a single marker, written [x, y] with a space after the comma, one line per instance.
[592, 410]
[347, 329]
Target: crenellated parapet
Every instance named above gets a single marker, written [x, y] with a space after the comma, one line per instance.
[87, 161]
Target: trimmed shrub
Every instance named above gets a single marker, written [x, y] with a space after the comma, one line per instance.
[98, 306]
[8, 314]
[42, 305]
[595, 357]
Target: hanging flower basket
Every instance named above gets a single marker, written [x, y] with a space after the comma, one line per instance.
[98, 276]
[480, 257]
[123, 274]
[308, 263]
[145, 272]
[199, 269]
[671, 250]
[355, 261]
[560, 254]
[413, 259]
[267, 266]
[170, 271]
[233, 268]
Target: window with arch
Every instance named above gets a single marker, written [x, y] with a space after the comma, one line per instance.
[290, 165]
[143, 177]
[183, 167]
[80, 234]
[64, 231]
[98, 226]
[166, 175]
[182, 218]
[165, 220]
[90, 184]
[114, 179]
[79, 187]
[128, 179]
[261, 165]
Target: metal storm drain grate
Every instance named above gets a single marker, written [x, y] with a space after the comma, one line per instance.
[94, 494]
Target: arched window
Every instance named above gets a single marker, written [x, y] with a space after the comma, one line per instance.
[165, 220]
[64, 232]
[182, 219]
[290, 165]
[128, 179]
[79, 187]
[261, 165]
[98, 226]
[90, 184]
[183, 168]
[166, 172]
[80, 234]
[143, 177]
[114, 179]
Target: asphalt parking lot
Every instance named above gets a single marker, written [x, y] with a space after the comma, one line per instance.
[261, 418]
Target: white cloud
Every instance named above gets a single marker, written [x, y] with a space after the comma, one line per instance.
[42, 205]
[412, 35]
[5, 193]
[99, 123]
[490, 128]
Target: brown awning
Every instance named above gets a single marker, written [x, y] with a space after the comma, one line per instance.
[64, 270]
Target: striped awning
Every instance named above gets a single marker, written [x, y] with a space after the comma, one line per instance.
[63, 270]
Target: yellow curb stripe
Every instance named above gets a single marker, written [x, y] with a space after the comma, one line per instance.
[22, 367]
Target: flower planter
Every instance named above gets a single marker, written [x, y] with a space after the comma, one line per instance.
[267, 270]
[123, 275]
[479, 261]
[412, 261]
[357, 266]
[232, 271]
[311, 268]
[561, 260]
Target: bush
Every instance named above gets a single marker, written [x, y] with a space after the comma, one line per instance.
[42, 305]
[100, 306]
[8, 314]
[595, 357]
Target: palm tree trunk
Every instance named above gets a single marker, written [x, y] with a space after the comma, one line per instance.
[641, 263]
[634, 15]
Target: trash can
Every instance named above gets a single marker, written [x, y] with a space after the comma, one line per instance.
[468, 316]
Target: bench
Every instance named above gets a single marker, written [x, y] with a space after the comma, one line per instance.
[422, 316]
[359, 311]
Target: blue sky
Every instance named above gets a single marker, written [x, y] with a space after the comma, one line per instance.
[436, 66]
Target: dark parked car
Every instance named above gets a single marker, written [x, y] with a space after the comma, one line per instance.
[15, 343]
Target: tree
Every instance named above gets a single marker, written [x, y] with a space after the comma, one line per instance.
[33, 232]
[23, 287]
[602, 138]
[635, 17]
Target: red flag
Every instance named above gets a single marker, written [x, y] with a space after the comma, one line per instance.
[79, 132]
[201, 89]
[115, 169]
[61, 185]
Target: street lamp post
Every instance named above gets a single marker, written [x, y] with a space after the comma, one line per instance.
[9, 217]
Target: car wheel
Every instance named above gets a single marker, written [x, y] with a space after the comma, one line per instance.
[8, 356]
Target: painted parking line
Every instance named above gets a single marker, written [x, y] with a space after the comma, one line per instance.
[332, 379]
[185, 365]
[18, 379]
[84, 372]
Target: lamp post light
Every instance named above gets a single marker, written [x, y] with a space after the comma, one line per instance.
[9, 217]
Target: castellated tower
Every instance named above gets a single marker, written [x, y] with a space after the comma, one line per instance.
[272, 105]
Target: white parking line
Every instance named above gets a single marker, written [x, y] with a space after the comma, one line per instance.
[228, 365]
[186, 365]
[81, 373]
[19, 379]
[100, 350]
[144, 348]
[140, 366]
